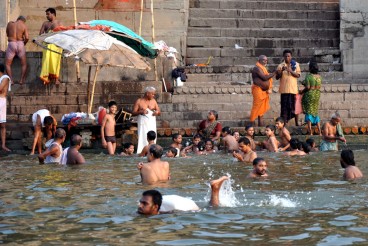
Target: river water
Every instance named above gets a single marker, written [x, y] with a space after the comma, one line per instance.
[303, 202]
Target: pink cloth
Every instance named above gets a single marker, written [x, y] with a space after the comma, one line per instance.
[298, 104]
[15, 48]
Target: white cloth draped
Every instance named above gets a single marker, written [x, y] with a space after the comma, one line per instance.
[146, 123]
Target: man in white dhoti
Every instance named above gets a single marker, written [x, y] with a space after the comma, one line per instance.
[147, 109]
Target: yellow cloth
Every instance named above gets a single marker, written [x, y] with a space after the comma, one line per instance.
[50, 63]
[288, 83]
[261, 99]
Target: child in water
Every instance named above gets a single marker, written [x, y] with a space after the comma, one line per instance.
[249, 133]
[284, 134]
[208, 148]
[271, 144]
[194, 146]
[172, 152]
[128, 149]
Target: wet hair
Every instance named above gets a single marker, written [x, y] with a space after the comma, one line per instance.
[258, 160]
[248, 127]
[306, 147]
[226, 129]
[244, 140]
[197, 136]
[347, 156]
[214, 112]
[209, 140]
[175, 136]
[75, 140]
[310, 141]
[201, 145]
[112, 103]
[174, 151]
[22, 18]
[156, 150]
[156, 197]
[48, 121]
[2, 68]
[286, 52]
[127, 145]
[294, 143]
[60, 133]
[271, 127]
[313, 67]
[151, 135]
[51, 10]
[280, 119]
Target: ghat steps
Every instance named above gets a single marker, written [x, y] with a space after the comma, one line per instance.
[309, 28]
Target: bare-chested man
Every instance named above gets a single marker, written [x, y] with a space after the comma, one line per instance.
[73, 155]
[284, 134]
[348, 163]
[155, 170]
[17, 34]
[229, 141]
[147, 109]
[152, 200]
[259, 169]
[247, 154]
[4, 88]
[261, 88]
[108, 137]
[51, 22]
[331, 133]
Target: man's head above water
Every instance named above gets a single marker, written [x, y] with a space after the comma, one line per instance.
[150, 202]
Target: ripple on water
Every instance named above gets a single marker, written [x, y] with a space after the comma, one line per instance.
[359, 229]
[218, 234]
[338, 240]
[296, 237]
[7, 232]
[330, 182]
[187, 242]
[95, 220]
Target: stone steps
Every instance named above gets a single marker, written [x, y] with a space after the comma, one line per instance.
[263, 14]
[274, 5]
[264, 32]
[261, 23]
[253, 42]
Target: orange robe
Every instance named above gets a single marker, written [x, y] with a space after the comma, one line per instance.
[261, 99]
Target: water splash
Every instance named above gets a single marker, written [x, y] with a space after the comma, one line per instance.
[282, 202]
[227, 195]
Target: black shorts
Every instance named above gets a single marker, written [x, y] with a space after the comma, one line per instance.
[111, 139]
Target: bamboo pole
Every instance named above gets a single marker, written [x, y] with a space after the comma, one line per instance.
[88, 86]
[93, 89]
[153, 38]
[8, 12]
[140, 20]
[77, 67]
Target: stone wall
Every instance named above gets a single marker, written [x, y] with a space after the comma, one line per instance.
[354, 38]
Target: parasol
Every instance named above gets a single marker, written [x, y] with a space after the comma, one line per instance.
[94, 48]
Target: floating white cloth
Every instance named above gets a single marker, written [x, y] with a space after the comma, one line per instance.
[174, 202]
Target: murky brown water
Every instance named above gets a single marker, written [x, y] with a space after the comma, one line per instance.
[304, 202]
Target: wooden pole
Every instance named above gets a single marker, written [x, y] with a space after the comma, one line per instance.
[8, 12]
[153, 38]
[77, 67]
[88, 86]
[140, 20]
[93, 90]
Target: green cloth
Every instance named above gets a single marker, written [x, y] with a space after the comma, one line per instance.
[310, 101]
[130, 38]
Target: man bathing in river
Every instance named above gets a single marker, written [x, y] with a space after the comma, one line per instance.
[259, 168]
[151, 200]
[348, 163]
[155, 170]
[331, 133]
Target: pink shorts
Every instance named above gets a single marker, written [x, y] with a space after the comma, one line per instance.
[15, 48]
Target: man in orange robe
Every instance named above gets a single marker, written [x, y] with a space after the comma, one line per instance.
[261, 89]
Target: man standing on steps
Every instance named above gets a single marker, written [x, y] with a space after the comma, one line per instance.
[261, 89]
[17, 33]
[288, 72]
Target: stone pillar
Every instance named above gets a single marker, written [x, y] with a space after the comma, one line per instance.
[354, 38]
[10, 11]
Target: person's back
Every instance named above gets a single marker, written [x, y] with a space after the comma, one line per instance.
[73, 155]
[231, 143]
[352, 172]
[155, 170]
[16, 31]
